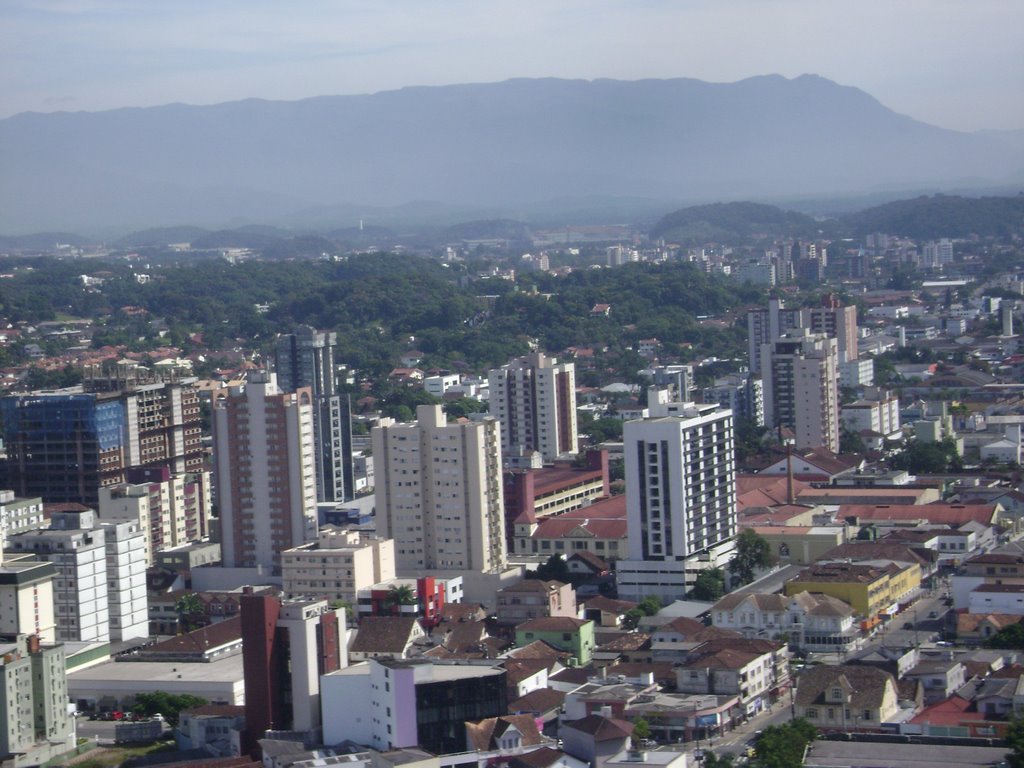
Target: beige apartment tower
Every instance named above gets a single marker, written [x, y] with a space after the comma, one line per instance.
[534, 399]
[439, 493]
[800, 372]
[265, 472]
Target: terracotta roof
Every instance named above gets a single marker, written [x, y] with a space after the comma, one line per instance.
[597, 564]
[539, 701]
[463, 612]
[552, 624]
[383, 634]
[517, 670]
[729, 653]
[534, 585]
[873, 550]
[538, 649]
[817, 604]
[630, 641]
[538, 758]
[562, 526]
[607, 604]
[483, 734]
[601, 728]
[612, 508]
[942, 514]
[839, 573]
[201, 640]
[867, 685]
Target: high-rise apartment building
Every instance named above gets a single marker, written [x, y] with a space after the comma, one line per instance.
[170, 509]
[78, 553]
[439, 493]
[766, 326]
[337, 565]
[65, 445]
[837, 322]
[265, 471]
[534, 399]
[33, 702]
[305, 358]
[741, 393]
[800, 373]
[680, 497]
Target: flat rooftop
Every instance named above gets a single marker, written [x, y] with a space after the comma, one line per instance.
[226, 670]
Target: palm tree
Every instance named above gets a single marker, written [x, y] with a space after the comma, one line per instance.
[190, 610]
[399, 595]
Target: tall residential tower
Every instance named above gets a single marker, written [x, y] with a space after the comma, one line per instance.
[534, 399]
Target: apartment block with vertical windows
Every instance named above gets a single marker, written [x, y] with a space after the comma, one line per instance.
[439, 493]
[680, 497]
[265, 471]
[534, 399]
[801, 388]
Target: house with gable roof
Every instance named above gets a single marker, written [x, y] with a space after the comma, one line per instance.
[846, 697]
[756, 671]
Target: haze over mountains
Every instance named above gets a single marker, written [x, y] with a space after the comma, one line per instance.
[485, 147]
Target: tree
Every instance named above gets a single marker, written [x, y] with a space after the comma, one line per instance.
[710, 585]
[167, 704]
[783, 746]
[641, 731]
[631, 619]
[650, 605]
[399, 595]
[555, 569]
[191, 611]
[753, 553]
[1011, 637]
[1015, 741]
[851, 442]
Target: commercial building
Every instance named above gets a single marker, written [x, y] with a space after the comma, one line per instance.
[872, 589]
[439, 493]
[801, 391]
[288, 646]
[680, 498]
[393, 703]
[534, 399]
[265, 471]
[305, 359]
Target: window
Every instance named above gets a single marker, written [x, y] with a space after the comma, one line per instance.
[811, 713]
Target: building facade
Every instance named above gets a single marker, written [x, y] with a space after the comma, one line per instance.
[305, 359]
[534, 399]
[439, 493]
[64, 446]
[801, 388]
[265, 471]
[680, 496]
[337, 565]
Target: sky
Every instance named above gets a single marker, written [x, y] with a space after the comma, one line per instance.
[954, 63]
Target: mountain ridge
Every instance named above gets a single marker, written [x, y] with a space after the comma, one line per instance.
[480, 144]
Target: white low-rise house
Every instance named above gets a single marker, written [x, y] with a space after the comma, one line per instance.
[751, 614]
[820, 623]
[439, 385]
[808, 621]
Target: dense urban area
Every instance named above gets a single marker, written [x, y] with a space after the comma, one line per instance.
[736, 486]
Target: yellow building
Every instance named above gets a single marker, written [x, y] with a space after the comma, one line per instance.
[801, 544]
[871, 589]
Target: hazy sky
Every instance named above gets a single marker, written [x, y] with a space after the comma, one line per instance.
[954, 63]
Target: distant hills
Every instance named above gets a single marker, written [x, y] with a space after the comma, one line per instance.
[490, 150]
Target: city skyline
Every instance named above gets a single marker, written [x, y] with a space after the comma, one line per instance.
[949, 64]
